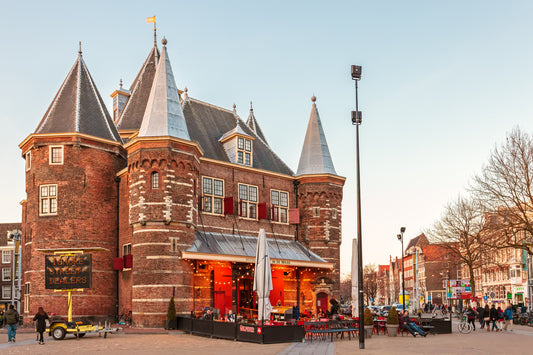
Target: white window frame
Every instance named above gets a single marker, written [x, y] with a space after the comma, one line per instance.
[154, 180]
[244, 151]
[6, 256]
[212, 195]
[248, 195]
[27, 157]
[126, 249]
[316, 212]
[280, 206]
[53, 148]
[46, 196]
[6, 292]
[6, 274]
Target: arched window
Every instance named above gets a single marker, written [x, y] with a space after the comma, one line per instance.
[155, 180]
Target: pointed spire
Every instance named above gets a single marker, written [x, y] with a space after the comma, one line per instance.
[234, 109]
[251, 122]
[131, 117]
[315, 157]
[78, 107]
[163, 115]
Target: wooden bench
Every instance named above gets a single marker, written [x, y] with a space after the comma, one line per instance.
[331, 331]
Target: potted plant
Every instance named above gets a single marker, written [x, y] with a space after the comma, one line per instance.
[171, 322]
[392, 323]
[369, 323]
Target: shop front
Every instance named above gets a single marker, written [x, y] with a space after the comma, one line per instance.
[224, 276]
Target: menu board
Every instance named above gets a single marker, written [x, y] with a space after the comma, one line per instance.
[63, 272]
[458, 289]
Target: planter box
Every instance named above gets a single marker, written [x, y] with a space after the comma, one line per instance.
[369, 329]
[392, 330]
[171, 324]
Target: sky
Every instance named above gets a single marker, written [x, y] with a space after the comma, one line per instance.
[442, 84]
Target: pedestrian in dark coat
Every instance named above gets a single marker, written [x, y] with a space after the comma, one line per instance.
[494, 317]
[480, 316]
[40, 327]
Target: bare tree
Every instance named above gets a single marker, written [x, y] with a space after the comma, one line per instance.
[370, 282]
[346, 288]
[504, 186]
[460, 231]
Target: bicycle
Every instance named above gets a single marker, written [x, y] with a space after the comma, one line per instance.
[464, 327]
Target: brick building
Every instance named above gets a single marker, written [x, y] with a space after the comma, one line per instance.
[169, 196]
[9, 277]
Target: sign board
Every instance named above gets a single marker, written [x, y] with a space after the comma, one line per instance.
[485, 297]
[64, 272]
[458, 289]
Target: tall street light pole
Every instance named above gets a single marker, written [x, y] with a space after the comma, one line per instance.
[357, 118]
[400, 238]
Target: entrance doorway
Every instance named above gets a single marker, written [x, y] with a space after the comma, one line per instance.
[321, 302]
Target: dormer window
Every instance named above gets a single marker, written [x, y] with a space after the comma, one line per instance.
[244, 151]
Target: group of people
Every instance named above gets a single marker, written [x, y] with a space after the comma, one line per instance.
[491, 316]
[11, 319]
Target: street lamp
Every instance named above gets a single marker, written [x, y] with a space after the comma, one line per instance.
[400, 238]
[357, 119]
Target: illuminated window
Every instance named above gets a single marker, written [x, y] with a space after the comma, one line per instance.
[248, 201]
[48, 200]
[280, 205]
[56, 154]
[213, 195]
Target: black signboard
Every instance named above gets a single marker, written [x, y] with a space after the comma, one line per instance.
[63, 272]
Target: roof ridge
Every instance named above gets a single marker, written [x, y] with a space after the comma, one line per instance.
[211, 105]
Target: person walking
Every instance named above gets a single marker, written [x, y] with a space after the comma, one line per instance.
[480, 316]
[493, 314]
[11, 318]
[41, 318]
[508, 317]
[486, 317]
[500, 318]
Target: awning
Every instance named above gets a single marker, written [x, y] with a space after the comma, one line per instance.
[229, 247]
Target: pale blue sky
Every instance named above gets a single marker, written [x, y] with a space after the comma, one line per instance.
[443, 81]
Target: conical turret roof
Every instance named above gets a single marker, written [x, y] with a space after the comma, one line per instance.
[163, 115]
[254, 126]
[315, 157]
[78, 107]
[132, 115]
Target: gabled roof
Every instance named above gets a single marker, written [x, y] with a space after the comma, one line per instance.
[315, 157]
[78, 107]
[207, 123]
[133, 112]
[420, 241]
[163, 115]
[254, 126]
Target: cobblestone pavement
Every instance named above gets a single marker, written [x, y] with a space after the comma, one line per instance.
[520, 341]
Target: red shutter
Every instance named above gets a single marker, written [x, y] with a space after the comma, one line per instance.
[118, 263]
[128, 261]
[228, 205]
[294, 216]
[262, 210]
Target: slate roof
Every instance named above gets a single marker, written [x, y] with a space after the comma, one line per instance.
[207, 123]
[133, 112]
[421, 240]
[229, 244]
[164, 115]
[254, 126]
[315, 157]
[78, 107]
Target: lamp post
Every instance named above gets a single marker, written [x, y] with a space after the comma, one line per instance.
[357, 118]
[400, 238]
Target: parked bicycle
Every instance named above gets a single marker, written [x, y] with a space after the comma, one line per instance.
[464, 327]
